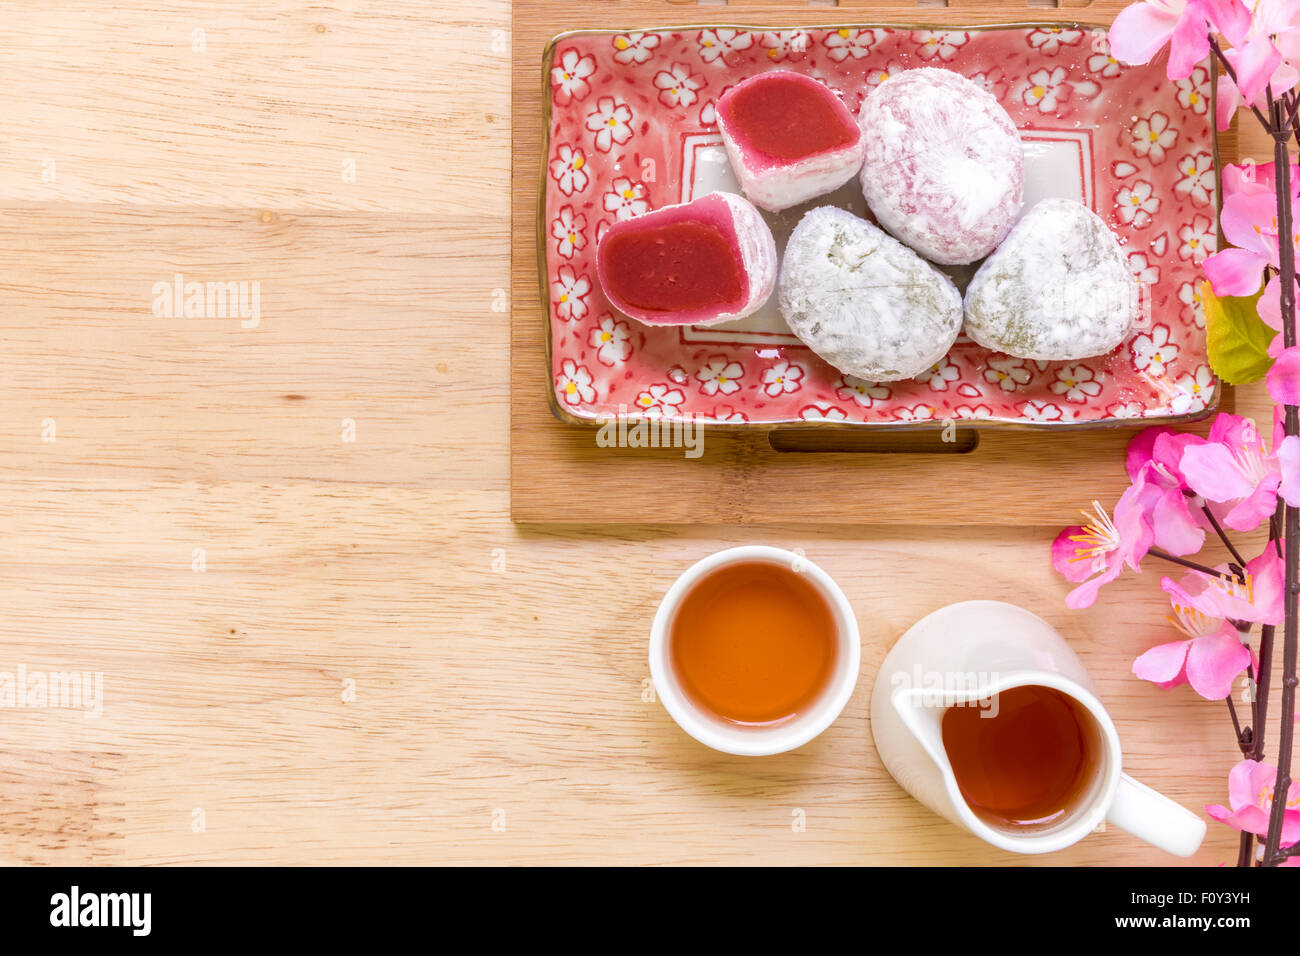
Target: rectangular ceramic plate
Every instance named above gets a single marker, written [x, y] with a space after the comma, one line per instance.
[631, 127]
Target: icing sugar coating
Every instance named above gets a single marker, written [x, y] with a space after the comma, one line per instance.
[789, 137]
[735, 225]
[944, 165]
[1058, 288]
[863, 301]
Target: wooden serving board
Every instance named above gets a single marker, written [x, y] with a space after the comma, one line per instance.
[558, 472]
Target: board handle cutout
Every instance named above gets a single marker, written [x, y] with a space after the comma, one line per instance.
[865, 441]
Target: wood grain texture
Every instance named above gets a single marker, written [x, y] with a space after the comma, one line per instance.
[740, 478]
[498, 670]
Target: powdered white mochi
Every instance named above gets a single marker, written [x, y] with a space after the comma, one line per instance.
[944, 168]
[862, 300]
[1058, 288]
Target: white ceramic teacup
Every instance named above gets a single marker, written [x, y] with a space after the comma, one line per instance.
[727, 736]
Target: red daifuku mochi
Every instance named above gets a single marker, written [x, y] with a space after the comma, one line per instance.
[789, 138]
[695, 263]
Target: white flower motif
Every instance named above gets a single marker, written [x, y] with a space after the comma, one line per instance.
[916, 413]
[1047, 89]
[1152, 136]
[610, 339]
[678, 86]
[720, 375]
[864, 393]
[635, 47]
[1189, 294]
[659, 401]
[574, 383]
[1103, 63]
[1197, 178]
[783, 44]
[1007, 373]
[625, 199]
[1037, 411]
[878, 74]
[569, 293]
[994, 81]
[844, 43]
[1147, 273]
[781, 378]
[1152, 351]
[567, 169]
[822, 412]
[716, 44]
[973, 411]
[569, 79]
[1193, 392]
[940, 44]
[611, 121]
[1198, 239]
[1136, 204]
[567, 229]
[1194, 91]
[726, 414]
[1126, 410]
[1049, 40]
[938, 376]
[1077, 383]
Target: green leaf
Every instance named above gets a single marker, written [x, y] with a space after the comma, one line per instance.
[1236, 337]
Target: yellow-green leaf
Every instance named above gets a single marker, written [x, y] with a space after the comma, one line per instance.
[1236, 337]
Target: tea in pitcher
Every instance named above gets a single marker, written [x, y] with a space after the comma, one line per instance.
[1025, 760]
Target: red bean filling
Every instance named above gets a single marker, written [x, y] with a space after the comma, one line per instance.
[675, 267]
[786, 119]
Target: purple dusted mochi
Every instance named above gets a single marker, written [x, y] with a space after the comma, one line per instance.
[944, 165]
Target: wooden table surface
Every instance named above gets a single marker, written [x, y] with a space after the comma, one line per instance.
[287, 549]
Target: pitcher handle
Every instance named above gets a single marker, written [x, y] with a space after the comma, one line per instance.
[1155, 818]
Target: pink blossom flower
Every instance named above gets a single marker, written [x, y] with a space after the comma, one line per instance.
[1237, 466]
[1249, 222]
[1250, 801]
[1256, 57]
[1211, 659]
[1257, 598]
[1142, 29]
[1093, 554]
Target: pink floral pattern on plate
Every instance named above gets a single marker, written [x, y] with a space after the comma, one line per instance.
[632, 125]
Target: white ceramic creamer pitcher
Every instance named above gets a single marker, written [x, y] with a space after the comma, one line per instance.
[970, 652]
